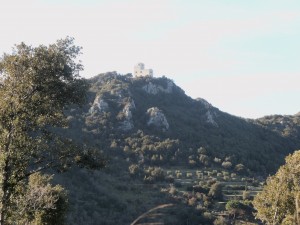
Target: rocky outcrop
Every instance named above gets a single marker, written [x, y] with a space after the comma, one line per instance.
[128, 108]
[154, 89]
[99, 106]
[210, 114]
[205, 103]
[210, 118]
[127, 123]
[157, 118]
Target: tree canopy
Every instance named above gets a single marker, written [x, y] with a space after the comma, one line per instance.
[278, 203]
[36, 86]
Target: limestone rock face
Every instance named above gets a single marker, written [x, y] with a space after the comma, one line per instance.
[128, 108]
[210, 118]
[205, 103]
[127, 123]
[154, 89]
[211, 114]
[157, 118]
[99, 106]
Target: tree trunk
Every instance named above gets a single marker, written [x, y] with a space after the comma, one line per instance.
[5, 193]
[297, 210]
[3, 202]
[2, 216]
[5, 170]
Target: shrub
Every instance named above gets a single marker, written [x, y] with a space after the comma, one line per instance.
[189, 175]
[221, 221]
[227, 165]
[199, 188]
[192, 201]
[200, 175]
[226, 178]
[173, 190]
[246, 195]
[208, 215]
[178, 175]
[240, 168]
[216, 191]
[217, 160]
[134, 170]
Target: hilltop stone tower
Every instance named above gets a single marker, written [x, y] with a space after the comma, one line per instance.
[140, 71]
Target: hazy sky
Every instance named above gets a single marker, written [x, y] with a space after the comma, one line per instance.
[242, 56]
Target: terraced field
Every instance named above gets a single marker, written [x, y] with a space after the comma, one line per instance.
[233, 185]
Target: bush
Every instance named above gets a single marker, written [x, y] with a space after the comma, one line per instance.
[216, 191]
[134, 170]
[192, 201]
[240, 168]
[153, 174]
[227, 165]
[208, 216]
[226, 178]
[200, 189]
[189, 175]
[173, 190]
[246, 195]
[221, 221]
[178, 175]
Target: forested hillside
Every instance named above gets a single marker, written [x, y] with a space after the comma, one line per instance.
[141, 115]
[153, 135]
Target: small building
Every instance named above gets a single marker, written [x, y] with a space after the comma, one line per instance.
[140, 71]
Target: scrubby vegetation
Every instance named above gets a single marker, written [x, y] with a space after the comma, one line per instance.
[208, 164]
[181, 160]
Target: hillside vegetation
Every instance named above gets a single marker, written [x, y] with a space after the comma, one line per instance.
[164, 147]
[118, 114]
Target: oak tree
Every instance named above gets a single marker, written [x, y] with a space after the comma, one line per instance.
[36, 86]
[279, 200]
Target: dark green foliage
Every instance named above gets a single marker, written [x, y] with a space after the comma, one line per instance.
[245, 142]
[239, 208]
[221, 221]
[234, 207]
[138, 157]
[42, 203]
[37, 86]
[287, 126]
[280, 197]
[154, 174]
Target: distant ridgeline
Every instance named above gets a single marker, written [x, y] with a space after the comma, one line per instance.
[152, 121]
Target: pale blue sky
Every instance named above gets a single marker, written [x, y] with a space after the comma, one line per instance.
[242, 56]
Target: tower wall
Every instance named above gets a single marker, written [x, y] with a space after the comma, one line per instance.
[140, 71]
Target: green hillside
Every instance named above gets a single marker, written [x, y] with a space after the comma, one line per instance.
[192, 123]
[157, 141]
